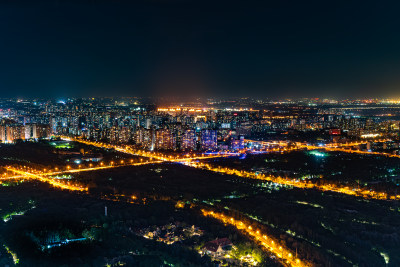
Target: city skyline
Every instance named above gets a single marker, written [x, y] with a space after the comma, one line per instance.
[163, 133]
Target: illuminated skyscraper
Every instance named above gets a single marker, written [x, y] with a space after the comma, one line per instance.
[188, 140]
[208, 139]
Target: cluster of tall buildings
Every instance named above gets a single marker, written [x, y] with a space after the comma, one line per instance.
[11, 131]
[216, 125]
[183, 140]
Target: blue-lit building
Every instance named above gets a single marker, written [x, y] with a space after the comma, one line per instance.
[208, 139]
[188, 140]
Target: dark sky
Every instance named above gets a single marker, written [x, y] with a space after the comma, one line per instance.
[164, 47]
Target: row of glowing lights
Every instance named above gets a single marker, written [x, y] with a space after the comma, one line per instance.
[347, 149]
[285, 143]
[68, 168]
[189, 157]
[337, 149]
[30, 173]
[164, 157]
[53, 182]
[181, 109]
[266, 242]
[334, 147]
[297, 183]
[13, 255]
[191, 109]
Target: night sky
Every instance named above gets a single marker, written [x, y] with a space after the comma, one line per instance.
[221, 48]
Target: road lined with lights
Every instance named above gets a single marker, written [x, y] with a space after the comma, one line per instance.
[268, 243]
[357, 151]
[369, 194]
[365, 193]
[53, 182]
[283, 146]
[101, 166]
